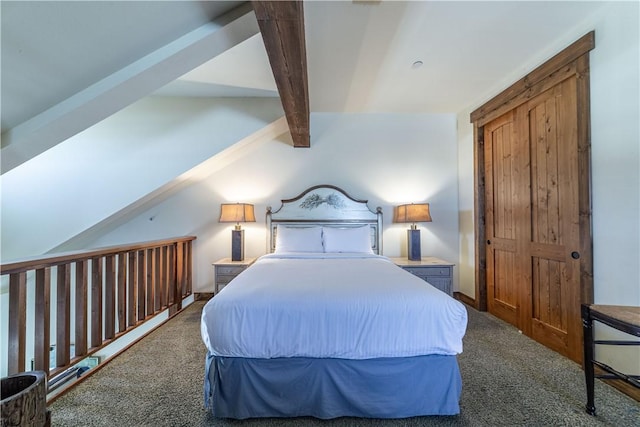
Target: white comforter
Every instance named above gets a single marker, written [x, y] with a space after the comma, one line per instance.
[349, 306]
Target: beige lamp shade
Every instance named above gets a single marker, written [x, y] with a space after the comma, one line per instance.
[415, 212]
[236, 212]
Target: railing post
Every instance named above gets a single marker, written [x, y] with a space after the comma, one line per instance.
[161, 281]
[142, 285]
[109, 297]
[63, 313]
[157, 289]
[174, 299]
[171, 274]
[42, 326]
[179, 273]
[81, 306]
[17, 322]
[96, 302]
[166, 253]
[151, 286]
[122, 292]
[189, 275]
[132, 289]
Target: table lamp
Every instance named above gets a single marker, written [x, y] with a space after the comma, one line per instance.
[413, 213]
[237, 212]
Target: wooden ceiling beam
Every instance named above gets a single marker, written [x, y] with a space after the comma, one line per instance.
[282, 26]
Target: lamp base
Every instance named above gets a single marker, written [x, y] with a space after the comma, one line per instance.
[413, 245]
[237, 245]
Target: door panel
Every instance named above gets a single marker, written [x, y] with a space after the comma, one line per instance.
[554, 218]
[532, 218]
[501, 232]
[549, 294]
[503, 294]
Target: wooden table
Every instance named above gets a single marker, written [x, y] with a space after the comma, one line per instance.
[622, 318]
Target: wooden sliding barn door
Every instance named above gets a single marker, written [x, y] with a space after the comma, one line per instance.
[531, 165]
[537, 238]
[553, 253]
[504, 186]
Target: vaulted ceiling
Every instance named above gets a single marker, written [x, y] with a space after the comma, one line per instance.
[67, 65]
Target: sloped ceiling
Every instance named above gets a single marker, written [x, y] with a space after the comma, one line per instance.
[52, 50]
[112, 86]
[363, 56]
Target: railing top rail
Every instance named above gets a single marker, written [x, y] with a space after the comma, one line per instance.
[43, 261]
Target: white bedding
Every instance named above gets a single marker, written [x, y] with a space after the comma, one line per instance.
[350, 306]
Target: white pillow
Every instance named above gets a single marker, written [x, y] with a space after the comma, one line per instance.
[355, 239]
[298, 239]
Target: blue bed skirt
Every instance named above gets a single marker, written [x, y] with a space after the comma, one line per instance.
[330, 388]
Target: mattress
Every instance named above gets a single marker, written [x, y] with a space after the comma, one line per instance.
[345, 306]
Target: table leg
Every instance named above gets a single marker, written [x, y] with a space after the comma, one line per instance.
[587, 326]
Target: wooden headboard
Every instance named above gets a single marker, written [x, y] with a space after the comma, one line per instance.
[327, 206]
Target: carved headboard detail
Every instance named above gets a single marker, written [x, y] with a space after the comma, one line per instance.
[327, 206]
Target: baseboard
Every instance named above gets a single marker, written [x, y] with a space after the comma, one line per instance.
[465, 299]
[202, 296]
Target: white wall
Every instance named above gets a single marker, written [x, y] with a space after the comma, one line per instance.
[615, 166]
[466, 259]
[615, 163]
[387, 159]
[615, 155]
[120, 160]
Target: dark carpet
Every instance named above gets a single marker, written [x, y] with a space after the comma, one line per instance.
[508, 380]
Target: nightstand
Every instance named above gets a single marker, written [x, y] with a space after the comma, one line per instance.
[433, 270]
[225, 270]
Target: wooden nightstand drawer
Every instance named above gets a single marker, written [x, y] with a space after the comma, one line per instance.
[430, 271]
[224, 278]
[437, 272]
[420, 272]
[229, 270]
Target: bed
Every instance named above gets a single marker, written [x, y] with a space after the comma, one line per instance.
[325, 326]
